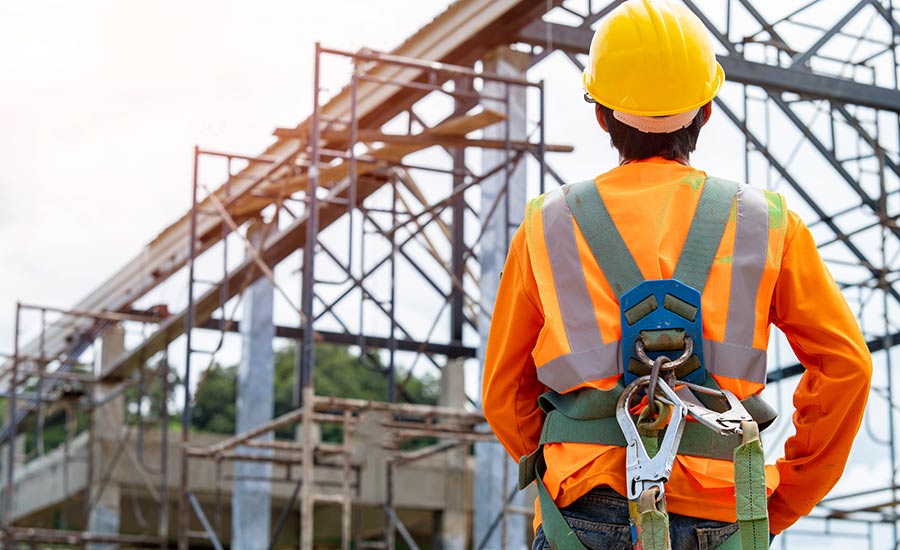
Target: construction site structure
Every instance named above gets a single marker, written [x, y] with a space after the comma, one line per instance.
[382, 222]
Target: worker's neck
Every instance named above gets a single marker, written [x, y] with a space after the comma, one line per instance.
[623, 161]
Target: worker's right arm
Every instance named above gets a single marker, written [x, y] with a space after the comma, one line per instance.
[510, 387]
[831, 396]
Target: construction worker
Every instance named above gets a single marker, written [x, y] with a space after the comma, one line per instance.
[559, 325]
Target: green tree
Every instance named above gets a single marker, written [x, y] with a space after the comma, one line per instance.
[337, 372]
[146, 399]
[214, 407]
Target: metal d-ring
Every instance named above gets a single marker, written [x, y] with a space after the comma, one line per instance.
[685, 355]
[661, 363]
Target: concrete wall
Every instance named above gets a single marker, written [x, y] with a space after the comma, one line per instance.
[52, 487]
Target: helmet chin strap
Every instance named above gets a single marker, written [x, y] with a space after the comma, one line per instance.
[657, 124]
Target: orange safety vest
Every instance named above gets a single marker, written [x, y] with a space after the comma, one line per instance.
[580, 346]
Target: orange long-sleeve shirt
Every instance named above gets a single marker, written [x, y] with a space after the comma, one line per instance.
[806, 305]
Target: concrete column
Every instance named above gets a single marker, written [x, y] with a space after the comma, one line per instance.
[453, 524]
[251, 501]
[492, 485]
[21, 441]
[107, 422]
[19, 460]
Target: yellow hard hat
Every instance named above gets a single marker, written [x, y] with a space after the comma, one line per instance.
[652, 58]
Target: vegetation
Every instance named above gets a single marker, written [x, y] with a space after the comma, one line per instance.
[337, 372]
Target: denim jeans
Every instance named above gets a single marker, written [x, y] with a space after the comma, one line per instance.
[600, 520]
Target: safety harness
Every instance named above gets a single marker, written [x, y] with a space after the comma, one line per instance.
[658, 318]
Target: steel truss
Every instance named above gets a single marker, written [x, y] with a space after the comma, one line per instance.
[813, 95]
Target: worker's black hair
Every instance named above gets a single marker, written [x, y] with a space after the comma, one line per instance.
[633, 144]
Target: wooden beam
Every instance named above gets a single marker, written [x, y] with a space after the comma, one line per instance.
[390, 153]
[375, 136]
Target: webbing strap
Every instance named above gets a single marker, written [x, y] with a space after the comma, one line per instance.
[584, 403]
[654, 534]
[557, 530]
[731, 543]
[707, 227]
[602, 236]
[750, 490]
[612, 254]
[696, 440]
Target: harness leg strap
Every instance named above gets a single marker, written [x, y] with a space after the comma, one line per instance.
[652, 524]
[750, 493]
[557, 530]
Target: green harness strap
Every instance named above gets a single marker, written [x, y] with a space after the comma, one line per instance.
[588, 416]
[604, 240]
[612, 254]
[707, 227]
[652, 522]
[751, 503]
[557, 530]
[750, 490]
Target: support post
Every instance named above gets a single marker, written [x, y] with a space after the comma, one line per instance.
[453, 520]
[10, 463]
[491, 460]
[107, 421]
[458, 237]
[307, 390]
[250, 500]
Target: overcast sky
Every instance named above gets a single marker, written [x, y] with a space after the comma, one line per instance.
[101, 103]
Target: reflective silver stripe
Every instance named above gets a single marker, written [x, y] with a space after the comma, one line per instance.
[569, 370]
[734, 358]
[573, 369]
[575, 304]
[734, 361]
[751, 244]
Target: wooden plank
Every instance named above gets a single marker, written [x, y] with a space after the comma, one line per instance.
[372, 136]
[391, 153]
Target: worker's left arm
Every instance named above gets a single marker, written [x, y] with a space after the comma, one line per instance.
[510, 387]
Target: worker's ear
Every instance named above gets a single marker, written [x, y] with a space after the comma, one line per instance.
[601, 120]
[707, 112]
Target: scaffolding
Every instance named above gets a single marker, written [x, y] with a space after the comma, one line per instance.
[377, 191]
[375, 196]
[356, 183]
